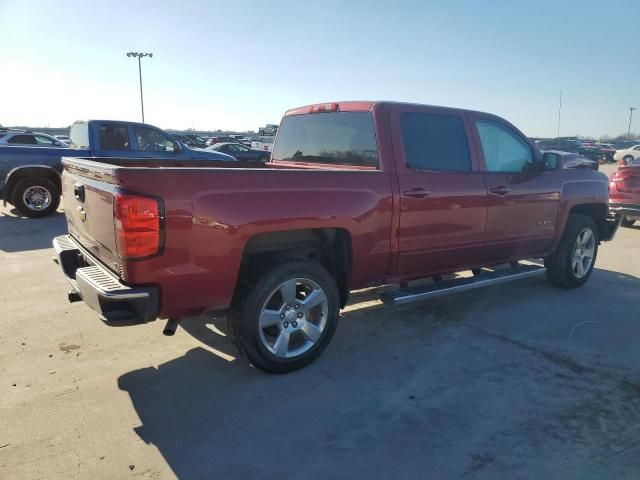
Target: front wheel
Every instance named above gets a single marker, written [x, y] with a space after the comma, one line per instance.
[36, 197]
[627, 160]
[570, 266]
[287, 318]
[628, 222]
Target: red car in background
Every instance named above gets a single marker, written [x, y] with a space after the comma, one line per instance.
[624, 191]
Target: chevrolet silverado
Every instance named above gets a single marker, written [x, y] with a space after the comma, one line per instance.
[356, 194]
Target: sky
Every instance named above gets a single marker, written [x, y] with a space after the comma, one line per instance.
[240, 64]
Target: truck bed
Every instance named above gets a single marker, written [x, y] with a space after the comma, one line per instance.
[212, 212]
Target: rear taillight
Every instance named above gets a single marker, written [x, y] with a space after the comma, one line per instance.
[138, 224]
[618, 180]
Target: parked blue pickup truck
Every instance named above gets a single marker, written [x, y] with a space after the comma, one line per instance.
[30, 176]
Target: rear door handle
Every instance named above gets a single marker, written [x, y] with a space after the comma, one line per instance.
[499, 190]
[417, 192]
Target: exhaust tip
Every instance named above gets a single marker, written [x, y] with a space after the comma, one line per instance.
[74, 296]
[171, 327]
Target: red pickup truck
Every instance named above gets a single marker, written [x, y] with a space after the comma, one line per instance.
[355, 194]
[625, 193]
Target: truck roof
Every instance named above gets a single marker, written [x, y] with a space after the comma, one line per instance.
[367, 105]
[94, 120]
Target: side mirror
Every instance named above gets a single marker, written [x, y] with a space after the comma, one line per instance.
[550, 160]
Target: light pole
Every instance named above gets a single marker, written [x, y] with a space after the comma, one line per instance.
[559, 112]
[140, 55]
[631, 109]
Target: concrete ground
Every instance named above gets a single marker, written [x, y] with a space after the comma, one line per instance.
[517, 381]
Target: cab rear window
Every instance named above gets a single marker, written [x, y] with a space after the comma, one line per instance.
[341, 138]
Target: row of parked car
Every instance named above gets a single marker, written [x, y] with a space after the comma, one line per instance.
[626, 151]
[263, 143]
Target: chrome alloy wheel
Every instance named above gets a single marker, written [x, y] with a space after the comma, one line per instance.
[582, 255]
[36, 198]
[293, 317]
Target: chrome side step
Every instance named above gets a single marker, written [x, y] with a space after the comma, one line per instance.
[445, 287]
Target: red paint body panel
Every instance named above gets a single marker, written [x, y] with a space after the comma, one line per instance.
[212, 212]
[625, 185]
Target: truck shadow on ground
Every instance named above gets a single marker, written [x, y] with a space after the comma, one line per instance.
[400, 392]
[18, 234]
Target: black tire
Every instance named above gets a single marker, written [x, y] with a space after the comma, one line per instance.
[44, 183]
[628, 222]
[243, 318]
[628, 159]
[560, 271]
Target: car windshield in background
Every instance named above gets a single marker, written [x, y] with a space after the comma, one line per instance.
[342, 138]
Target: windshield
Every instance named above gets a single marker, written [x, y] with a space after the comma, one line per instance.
[345, 138]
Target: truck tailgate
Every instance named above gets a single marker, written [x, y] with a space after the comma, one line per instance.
[88, 205]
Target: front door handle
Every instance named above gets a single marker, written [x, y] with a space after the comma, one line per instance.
[417, 192]
[499, 190]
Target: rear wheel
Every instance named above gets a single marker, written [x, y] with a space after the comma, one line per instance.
[284, 320]
[36, 197]
[570, 266]
[628, 159]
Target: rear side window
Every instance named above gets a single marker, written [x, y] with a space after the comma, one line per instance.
[504, 150]
[342, 138]
[43, 140]
[114, 137]
[23, 140]
[435, 141]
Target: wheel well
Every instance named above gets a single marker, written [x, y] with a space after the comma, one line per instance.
[31, 172]
[597, 211]
[329, 246]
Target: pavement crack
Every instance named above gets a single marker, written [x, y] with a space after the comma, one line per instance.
[559, 359]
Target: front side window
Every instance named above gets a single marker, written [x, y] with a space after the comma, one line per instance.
[435, 142]
[151, 140]
[114, 136]
[339, 138]
[23, 140]
[504, 150]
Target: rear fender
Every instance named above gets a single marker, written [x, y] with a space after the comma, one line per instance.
[28, 171]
